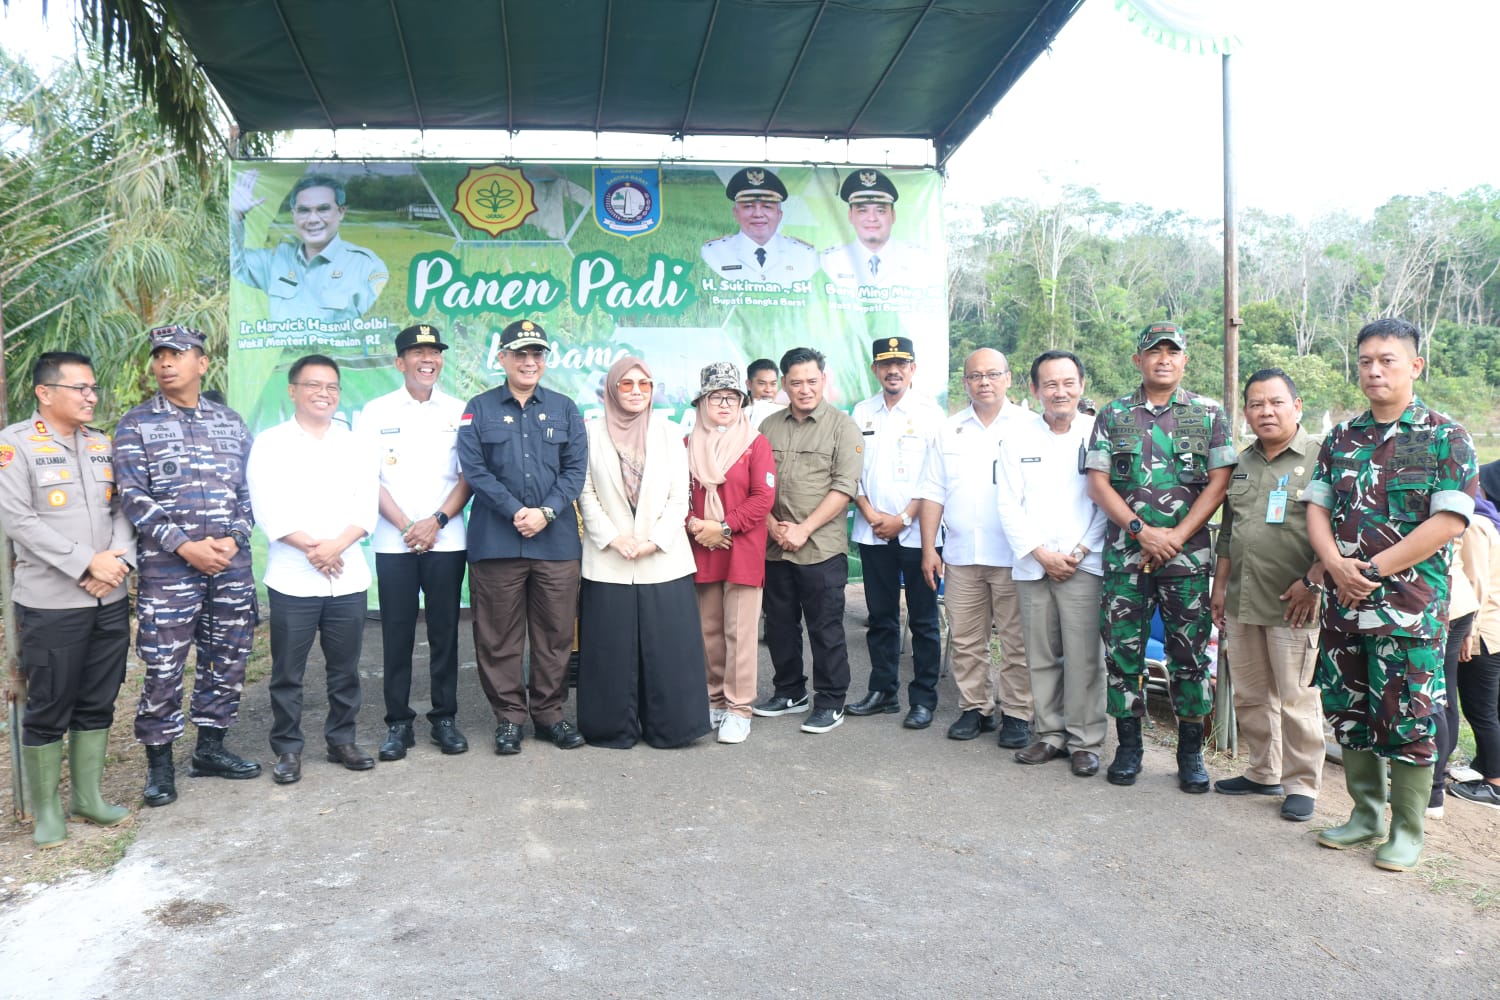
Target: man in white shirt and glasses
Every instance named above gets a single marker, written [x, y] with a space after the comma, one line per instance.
[959, 495]
[315, 490]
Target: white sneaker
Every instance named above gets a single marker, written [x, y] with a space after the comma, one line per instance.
[734, 729]
[716, 716]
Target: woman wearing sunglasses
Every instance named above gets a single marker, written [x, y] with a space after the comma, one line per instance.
[640, 669]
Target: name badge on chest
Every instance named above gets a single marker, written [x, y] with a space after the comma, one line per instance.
[1276, 503]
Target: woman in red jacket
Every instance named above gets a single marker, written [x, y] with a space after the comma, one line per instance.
[733, 483]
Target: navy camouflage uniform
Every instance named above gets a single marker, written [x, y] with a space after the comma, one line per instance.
[181, 474]
[1380, 663]
[1158, 460]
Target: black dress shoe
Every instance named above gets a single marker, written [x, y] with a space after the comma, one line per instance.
[447, 737]
[1038, 753]
[351, 756]
[1085, 763]
[397, 738]
[561, 734]
[1014, 733]
[875, 703]
[920, 717]
[967, 726]
[507, 738]
[288, 769]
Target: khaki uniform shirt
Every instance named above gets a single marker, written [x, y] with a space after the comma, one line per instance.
[1265, 559]
[813, 457]
[60, 507]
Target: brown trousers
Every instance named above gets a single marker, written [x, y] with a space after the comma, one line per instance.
[731, 617]
[1276, 704]
[514, 599]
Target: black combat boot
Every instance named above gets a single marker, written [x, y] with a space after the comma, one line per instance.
[161, 776]
[1192, 777]
[1127, 762]
[211, 760]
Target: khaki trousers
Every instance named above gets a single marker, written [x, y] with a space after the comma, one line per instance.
[1278, 710]
[1066, 657]
[978, 598]
[730, 613]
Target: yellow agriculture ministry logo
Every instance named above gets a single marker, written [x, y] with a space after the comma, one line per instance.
[494, 198]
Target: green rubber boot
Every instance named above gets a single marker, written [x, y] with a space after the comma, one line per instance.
[1364, 776]
[43, 772]
[86, 753]
[1410, 787]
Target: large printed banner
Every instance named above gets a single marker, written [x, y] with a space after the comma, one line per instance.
[337, 257]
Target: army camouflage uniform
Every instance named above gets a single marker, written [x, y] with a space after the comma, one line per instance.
[1380, 663]
[1158, 460]
[181, 474]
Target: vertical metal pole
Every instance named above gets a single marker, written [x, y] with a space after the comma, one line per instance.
[15, 688]
[1224, 728]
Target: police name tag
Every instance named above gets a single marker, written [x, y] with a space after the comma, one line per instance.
[1276, 503]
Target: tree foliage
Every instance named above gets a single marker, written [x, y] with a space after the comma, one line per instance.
[1085, 274]
[103, 234]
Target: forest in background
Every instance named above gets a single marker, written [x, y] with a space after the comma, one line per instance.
[106, 229]
[1085, 274]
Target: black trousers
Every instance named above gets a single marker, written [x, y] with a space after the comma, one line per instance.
[641, 673]
[339, 625]
[439, 578]
[74, 659]
[1448, 718]
[1479, 693]
[815, 594]
[886, 567]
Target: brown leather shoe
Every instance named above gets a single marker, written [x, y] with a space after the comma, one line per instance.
[1085, 763]
[288, 769]
[1038, 753]
[351, 756]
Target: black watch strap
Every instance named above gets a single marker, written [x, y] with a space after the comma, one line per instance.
[440, 518]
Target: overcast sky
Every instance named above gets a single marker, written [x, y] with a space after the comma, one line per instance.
[1338, 104]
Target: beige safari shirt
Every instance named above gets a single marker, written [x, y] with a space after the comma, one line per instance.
[60, 507]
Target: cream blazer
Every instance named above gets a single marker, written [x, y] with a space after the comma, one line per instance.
[660, 514]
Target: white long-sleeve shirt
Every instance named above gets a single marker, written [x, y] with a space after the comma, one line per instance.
[1043, 499]
[299, 482]
[899, 443]
[963, 476]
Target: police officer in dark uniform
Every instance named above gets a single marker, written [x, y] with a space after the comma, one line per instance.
[180, 459]
[73, 549]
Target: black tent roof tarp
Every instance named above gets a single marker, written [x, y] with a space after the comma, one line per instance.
[929, 69]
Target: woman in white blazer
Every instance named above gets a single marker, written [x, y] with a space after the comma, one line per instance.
[640, 667]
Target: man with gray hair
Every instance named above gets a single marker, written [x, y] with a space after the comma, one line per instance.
[960, 493]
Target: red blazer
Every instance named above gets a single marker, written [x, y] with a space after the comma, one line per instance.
[747, 491]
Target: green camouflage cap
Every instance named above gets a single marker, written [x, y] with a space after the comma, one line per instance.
[1156, 333]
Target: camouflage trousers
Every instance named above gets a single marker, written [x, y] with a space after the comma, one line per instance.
[1383, 693]
[1130, 599]
[217, 615]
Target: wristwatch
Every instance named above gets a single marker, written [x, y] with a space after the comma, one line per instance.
[1316, 588]
[440, 518]
[548, 513]
[1134, 527]
[905, 519]
[240, 538]
[1372, 572]
[727, 529]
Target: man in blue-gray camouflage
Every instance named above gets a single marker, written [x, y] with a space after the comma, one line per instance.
[180, 465]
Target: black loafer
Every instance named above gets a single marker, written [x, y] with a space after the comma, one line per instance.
[920, 717]
[1244, 786]
[288, 769]
[507, 738]
[561, 734]
[447, 737]
[351, 755]
[1297, 808]
[967, 726]
[875, 703]
[397, 738]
